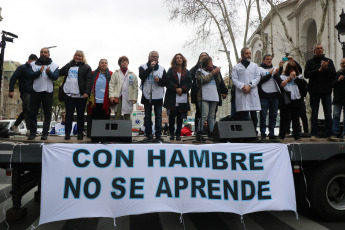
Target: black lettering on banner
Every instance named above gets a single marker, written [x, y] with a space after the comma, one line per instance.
[212, 188]
[199, 187]
[116, 183]
[97, 188]
[160, 157]
[121, 156]
[164, 183]
[179, 186]
[177, 158]
[232, 189]
[70, 186]
[135, 187]
[251, 190]
[261, 189]
[96, 158]
[252, 160]
[76, 158]
[216, 160]
[235, 161]
[205, 157]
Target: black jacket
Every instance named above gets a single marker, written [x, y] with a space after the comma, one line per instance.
[25, 81]
[144, 74]
[264, 79]
[339, 89]
[319, 82]
[172, 84]
[222, 89]
[84, 76]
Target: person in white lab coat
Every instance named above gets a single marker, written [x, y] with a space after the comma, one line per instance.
[246, 76]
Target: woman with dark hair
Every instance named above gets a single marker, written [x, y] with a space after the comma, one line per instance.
[179, 82]
[76, 88]
[98, 108]
[295, 86]
[194, 89]
[208, 83]
[123, 90]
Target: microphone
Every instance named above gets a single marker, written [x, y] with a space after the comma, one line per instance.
[9, 33]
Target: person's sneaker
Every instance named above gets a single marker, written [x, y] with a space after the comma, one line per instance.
[15, 129]
[273, 137]
[32, 137]
[148, 138]
[44, 137]
[313, 138]
[178, 138]
[80, 137]
[67, 137]
[263, 137]
[172, 138]
[159, 138]
[332, 138]
[28, 133]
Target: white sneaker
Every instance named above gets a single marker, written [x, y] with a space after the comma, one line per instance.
[15, 129]
[28, 133]
[313, 138]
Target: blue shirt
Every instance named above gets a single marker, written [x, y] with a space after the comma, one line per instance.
[100, 88]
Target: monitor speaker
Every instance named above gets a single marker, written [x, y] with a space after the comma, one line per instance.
[111, 130]
[234, 131]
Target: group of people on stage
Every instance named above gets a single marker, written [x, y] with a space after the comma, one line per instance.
[265, 89]
[102, 89]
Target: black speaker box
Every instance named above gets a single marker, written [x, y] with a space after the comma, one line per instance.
[234, 131]
[111, 130]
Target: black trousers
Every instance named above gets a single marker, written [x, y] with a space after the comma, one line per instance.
[36, 99]
[98, 113]
[71, 105]
[287, 113]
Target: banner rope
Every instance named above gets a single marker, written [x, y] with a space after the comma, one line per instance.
[242, 222]
[182, 221]
[305, 179]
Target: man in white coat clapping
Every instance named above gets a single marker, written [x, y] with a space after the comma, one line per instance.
[246, 76]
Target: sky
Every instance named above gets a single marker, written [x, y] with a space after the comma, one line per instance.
[100, 28]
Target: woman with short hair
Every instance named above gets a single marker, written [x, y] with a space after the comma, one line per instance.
[176, 100]
[76, 88]
[123, 90]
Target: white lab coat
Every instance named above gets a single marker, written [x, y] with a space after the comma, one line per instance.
[242, 76]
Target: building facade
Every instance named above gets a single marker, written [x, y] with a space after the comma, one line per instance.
[303, 19]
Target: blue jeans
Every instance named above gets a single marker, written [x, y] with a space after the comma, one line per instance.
[148, 119]
[336, 119]
[271, 105]
[208, 110]
[326, 101]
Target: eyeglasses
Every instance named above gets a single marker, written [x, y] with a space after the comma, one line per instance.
[155, 56]
[63, 115]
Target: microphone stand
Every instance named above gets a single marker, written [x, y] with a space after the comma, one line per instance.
[202, 124]
[153, 69]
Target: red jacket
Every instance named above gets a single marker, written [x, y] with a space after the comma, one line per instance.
[186, 132]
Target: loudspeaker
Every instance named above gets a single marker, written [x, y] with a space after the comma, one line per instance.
[111, 130]
[234, 131]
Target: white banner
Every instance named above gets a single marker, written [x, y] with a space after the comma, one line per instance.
[115, 180]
